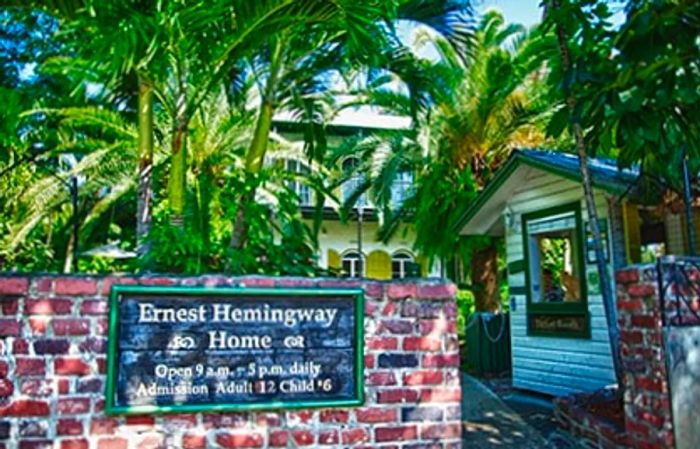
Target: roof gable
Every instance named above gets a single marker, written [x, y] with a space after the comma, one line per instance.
[605, 175]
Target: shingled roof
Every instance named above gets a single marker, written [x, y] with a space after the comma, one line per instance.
[605, 175]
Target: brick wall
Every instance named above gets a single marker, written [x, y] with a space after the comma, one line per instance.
[647, 402]
[53, 359]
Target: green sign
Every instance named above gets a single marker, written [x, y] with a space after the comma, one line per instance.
[178, 349]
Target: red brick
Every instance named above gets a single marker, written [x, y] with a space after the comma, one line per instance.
[69, 426]
[43, 285]
[303, 437]
[401, 291]
[300, 416]
[6, 388]
[94, 307]
[157, 281]
[73, 406]
[400, 395]
[240, 440]
[376, 414]
[441, 360]
[381, 378]
[76, 443]
[112, 443]
[437, 291]
[71, 326]
[374, 290]
[10, 327]
[39, 324]
[10, 306]
[655, 420]
[13, 286]
[382, 343]
[194, 441]
[422, 378]
[441, 394]
[75, 286]
[328, 437]
[441, 431]
[334, 416]
[398, 433]
[641, 290]
[4, 368]
[20, 346]
[369, 361]
[645, 321]
[107, 283]
[25, 407]
[630, 305]
[48, 306]
[103, 426]
[70, 366]
[51, 346]
[151, 441]
[627, 276]
[35, 444]
[102, 326]
[650, 384]
[37, 387]
[631, 337]
[278, 438]
[395, 327]
[140, 420]
[421, 344]
[354, 436]
[440, 326]
[25, 366]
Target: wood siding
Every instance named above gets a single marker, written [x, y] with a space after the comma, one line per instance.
[552, 365]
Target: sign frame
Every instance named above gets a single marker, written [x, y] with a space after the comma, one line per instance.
[111, 408]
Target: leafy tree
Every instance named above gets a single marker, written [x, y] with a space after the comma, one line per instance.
[480, 111]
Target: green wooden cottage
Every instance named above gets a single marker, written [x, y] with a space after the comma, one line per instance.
[558, 329]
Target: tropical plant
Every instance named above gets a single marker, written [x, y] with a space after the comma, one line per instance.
[481, 111]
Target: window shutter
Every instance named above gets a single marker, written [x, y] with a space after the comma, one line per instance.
[334, 260]
[424, 266]
[379, 265]
[633, 236]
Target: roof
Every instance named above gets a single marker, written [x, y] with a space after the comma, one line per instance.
[360, 118]
[605, 175]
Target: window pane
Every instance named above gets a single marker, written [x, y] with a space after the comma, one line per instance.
[554, 270]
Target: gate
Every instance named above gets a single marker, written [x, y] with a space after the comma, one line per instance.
[679, 293]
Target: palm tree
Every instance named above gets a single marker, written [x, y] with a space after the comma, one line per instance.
[299, 63]
[482, 111]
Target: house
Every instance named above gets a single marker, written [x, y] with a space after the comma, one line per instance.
[351, 248]
[559, 335]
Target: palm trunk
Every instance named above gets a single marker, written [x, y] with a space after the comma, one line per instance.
[177, 184]
[484, 274]
[603, 274]
[145, 139]
[255, 155]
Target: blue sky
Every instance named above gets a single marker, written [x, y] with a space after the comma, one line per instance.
[525, 12]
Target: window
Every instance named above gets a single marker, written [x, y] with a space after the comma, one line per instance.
[356, 179]
[304, 192]
[555, 275]
[401, 187]
[353, 265]
[401, 263]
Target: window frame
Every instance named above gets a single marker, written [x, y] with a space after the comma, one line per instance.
[580, 308]
[403, 258]
[360, 260]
